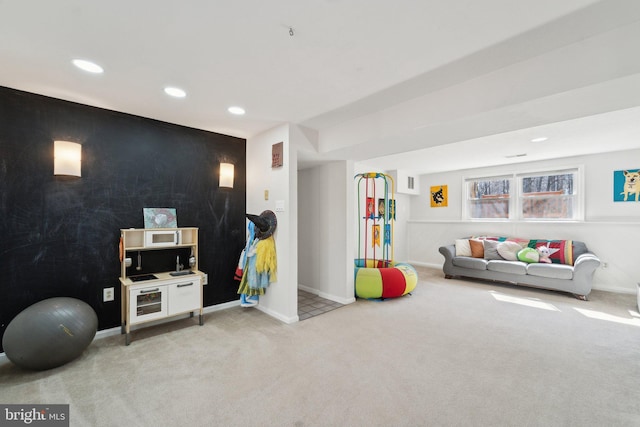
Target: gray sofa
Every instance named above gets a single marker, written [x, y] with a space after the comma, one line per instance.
[575, 279]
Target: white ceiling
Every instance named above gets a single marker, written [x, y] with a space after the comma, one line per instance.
[450, 83]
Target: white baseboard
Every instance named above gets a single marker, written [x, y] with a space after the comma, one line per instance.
[107, 333]
[325, 295]
[425, 264]
[288, 320]
[614, 289]
[223, 306]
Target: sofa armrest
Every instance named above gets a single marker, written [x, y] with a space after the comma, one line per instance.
[587, 261]
[448, 252]
[584, 268]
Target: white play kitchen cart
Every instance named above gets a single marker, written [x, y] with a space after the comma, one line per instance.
[151, 297]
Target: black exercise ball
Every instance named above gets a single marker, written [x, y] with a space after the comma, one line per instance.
[50, 333]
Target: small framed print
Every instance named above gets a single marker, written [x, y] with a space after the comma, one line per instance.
[160, 217]
[276, 155]
[626, 185]
[439, 196]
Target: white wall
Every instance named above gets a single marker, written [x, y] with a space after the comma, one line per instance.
[403, 211]
[325, 262]
[281, 298]
[611, 230]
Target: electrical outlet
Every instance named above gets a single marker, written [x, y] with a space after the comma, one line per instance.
[205, 279]
[605, 265]
[107, 294]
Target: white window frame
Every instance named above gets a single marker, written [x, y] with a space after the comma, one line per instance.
[578, 199]
[465, 204]
[516, 197]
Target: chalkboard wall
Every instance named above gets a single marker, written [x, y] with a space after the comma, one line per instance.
[59, 236]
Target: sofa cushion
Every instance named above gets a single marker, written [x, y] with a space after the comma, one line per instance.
[468, 262]
[511, 267]
[462, 247]
[509, 250]
[491, 250]
[552, 271]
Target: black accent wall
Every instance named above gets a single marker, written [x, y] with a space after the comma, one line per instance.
[59, 236]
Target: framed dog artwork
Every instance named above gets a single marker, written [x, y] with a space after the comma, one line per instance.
[439, 196]
[626, 185]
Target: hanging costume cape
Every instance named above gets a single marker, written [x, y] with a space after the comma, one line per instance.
[257, 267]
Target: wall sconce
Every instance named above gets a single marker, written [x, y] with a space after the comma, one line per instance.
[67, 158]
[226, 175]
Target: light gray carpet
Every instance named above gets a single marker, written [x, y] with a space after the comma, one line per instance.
[449, 355]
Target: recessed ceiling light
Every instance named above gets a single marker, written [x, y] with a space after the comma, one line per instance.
[238, 111]
[175, 92]
[89, 66]
[542, 138]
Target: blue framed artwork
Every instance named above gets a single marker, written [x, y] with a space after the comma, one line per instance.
[626, 185]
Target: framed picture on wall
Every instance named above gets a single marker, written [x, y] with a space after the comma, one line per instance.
[626, 185]
[439, 196]
[276, 155]
[160, 217]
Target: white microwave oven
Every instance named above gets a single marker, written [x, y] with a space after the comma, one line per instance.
[162, 237]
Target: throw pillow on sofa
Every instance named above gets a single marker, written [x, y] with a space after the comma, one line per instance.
[477, 248]
[529, 255]
[491, 249]
[561, 251]
[462, 247]
[509, 250]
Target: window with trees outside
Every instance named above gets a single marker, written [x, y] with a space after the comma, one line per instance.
[489, 197]
[549, 195]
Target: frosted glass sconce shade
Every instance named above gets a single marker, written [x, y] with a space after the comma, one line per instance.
[226, 175]
[67, 158]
